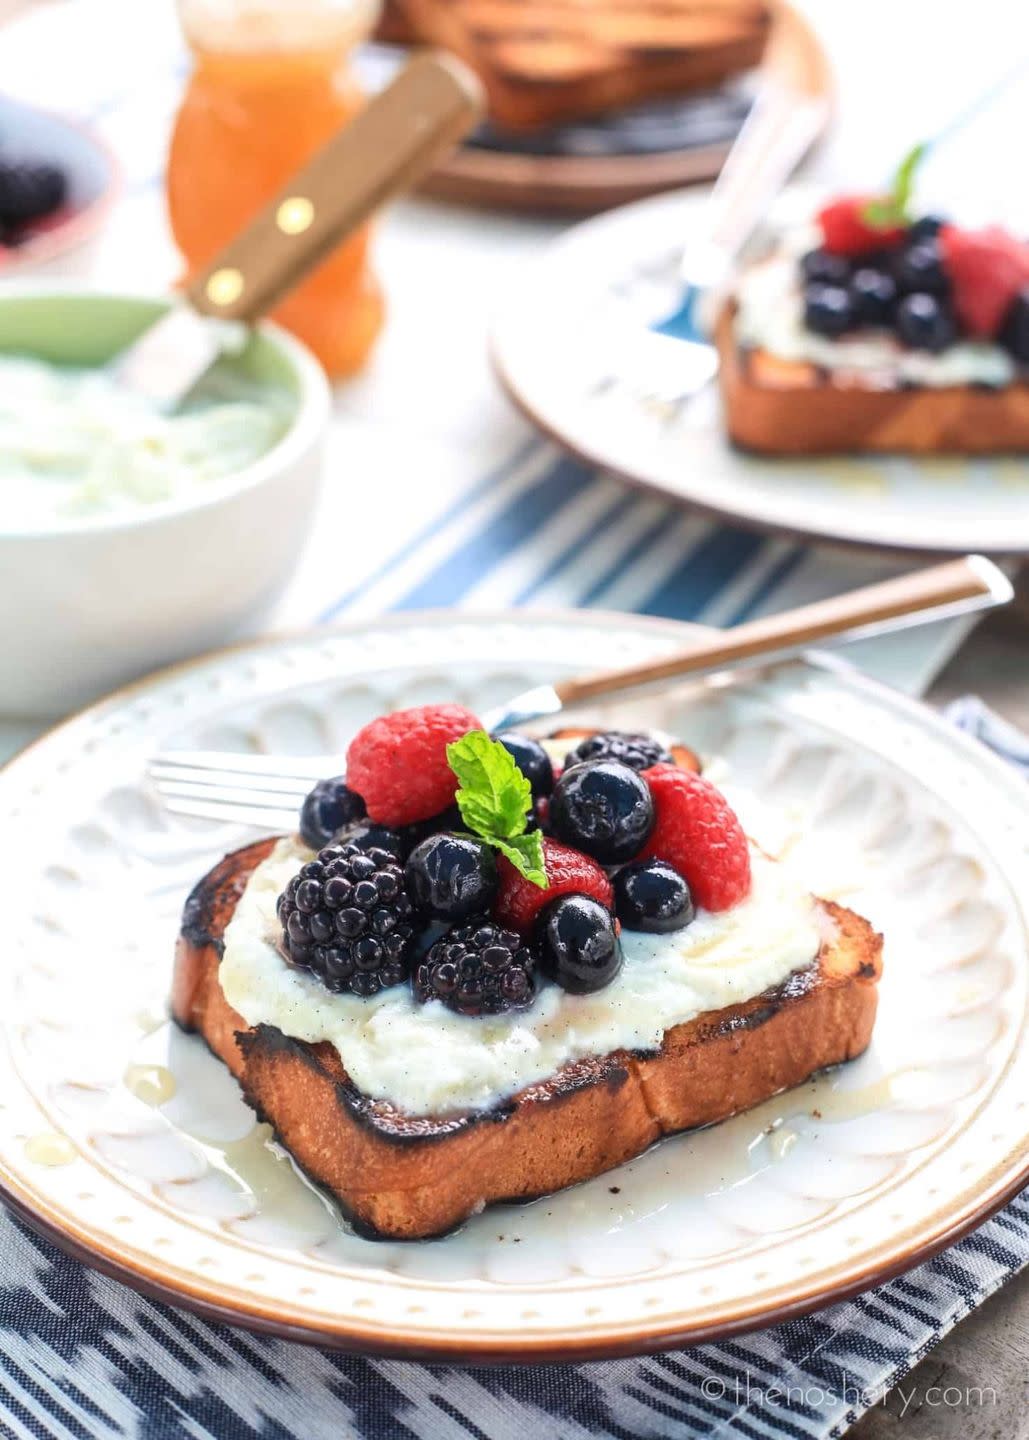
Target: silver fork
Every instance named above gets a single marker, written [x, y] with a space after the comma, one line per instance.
[266, 791]
[666, 365]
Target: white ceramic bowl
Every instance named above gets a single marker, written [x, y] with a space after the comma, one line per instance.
[91, 602]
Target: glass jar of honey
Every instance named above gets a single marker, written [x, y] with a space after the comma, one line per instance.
[270, 84]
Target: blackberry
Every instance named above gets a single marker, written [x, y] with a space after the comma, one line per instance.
[478, 969]
[348, 917]
[639, 752]
[29, 191]
[328, 808]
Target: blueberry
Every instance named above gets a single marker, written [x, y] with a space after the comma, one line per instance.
[578, 945]
[819, 267]
[531, 759]
[604, 809]
[874, 294]
[367, 835]
[927, 228]
[828, 310]
[919, 268]
[925, 322]
[328, 807]
[1014, 333]
[452, 876]
[419, 830]
[651, 896]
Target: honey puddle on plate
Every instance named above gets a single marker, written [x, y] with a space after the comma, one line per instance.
[49, 1148]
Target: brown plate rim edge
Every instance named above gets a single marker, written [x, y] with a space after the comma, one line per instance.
[760, 525]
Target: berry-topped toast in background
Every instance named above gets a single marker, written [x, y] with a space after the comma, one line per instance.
[489, 967]
[876, 329]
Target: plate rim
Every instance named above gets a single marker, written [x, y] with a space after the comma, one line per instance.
[277, 1317]
[596, 459]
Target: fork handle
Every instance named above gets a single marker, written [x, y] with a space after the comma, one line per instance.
[954, 587]
[784, 121]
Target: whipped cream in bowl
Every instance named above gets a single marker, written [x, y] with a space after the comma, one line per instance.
[129, 539]
[427, 1060]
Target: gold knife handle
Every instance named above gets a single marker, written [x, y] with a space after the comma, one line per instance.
[383, 151]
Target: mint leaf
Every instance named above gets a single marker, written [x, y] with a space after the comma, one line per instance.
[891, 209]
[904, 180]
[494, 796]
[525, 853]
[494, 799]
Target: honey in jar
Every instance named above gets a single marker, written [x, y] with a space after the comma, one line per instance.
[271, 83]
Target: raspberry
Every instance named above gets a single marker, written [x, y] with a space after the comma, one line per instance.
[398, 763]
[478, 969]
[698, 834]
[846, 229]
[349, 918]
[569, 872]
[987, 269]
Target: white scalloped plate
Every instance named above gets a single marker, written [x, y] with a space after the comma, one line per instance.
[129, 1144]
[570, 318]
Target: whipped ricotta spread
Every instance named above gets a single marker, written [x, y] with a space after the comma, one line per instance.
[427, 1060]
[73, 442]
[770, 316]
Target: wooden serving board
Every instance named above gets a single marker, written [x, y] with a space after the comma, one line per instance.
[588, 167]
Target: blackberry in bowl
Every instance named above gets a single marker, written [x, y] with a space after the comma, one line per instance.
[348, 918]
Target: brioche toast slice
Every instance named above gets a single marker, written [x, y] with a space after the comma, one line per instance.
[790, 407]
[398, 1176]
[547, 61]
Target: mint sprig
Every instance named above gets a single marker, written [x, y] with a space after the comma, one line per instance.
[494, 799]
[893, 208]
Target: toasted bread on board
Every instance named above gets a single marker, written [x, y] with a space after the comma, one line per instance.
[547, 61]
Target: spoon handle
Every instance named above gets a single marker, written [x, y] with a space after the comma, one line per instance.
[957, 587]
[384, 150]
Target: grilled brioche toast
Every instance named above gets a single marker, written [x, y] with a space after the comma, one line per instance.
[788, 407]
[547, 61]
[403, 1177]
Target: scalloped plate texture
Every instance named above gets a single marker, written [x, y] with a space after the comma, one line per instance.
[126, 1142]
